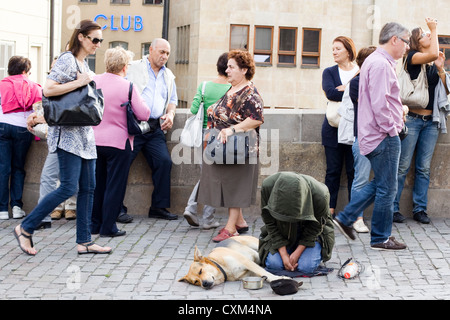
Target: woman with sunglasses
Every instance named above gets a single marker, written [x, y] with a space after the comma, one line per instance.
[422, 131]
[75, 146]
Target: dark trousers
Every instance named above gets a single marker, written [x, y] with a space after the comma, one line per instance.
[336, 158]
[154, 147]
[111, 174]
[15, 142]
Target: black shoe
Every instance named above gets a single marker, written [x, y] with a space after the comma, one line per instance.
[113, 235]
[347, 231]
[422, 217]
[398, 217]
[124, 217]
[161, 213]
[44, 225]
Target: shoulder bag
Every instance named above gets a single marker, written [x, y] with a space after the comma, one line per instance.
[332, 113]
[192, 134]
[238, 149]
[135, 127]
[413, 93]
[80, 107]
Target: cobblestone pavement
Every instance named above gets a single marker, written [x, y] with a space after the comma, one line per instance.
[154, 254]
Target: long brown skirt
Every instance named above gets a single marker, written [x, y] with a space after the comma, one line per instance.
[228, 186]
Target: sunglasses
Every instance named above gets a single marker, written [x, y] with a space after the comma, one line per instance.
[94, 40]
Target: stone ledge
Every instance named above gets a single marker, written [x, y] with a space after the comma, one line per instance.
[290, 141]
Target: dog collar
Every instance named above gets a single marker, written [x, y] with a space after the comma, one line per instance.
[220, 268]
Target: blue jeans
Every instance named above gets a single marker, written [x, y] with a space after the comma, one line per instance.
[76, 173]
[307, 263]
[381, 191]
[422, 137]
[362, 170]
[15, 142]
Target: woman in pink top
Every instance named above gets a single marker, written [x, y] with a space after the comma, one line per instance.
[114, 144]
[18, 94]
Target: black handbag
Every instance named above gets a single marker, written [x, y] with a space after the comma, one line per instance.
[135, 127]
[80, 107]
[238, 149]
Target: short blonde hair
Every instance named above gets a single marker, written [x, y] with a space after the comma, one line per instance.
[117, 58]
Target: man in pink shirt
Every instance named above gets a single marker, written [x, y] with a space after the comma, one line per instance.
[380, 119]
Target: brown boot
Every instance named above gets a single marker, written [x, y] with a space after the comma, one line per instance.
[70, 214]
[56, 215]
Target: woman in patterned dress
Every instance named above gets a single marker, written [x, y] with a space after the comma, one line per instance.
[239, 110]
[74, 145]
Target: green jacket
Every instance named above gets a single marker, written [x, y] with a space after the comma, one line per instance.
[289, 199]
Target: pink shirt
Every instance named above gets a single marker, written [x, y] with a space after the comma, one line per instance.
[112, 131]
[380, 110]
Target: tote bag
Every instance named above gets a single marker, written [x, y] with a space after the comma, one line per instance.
[80, 107]
[414, 93]
[192, 134]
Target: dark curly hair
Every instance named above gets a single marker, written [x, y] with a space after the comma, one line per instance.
[244, 60]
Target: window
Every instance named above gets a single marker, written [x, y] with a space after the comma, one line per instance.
[88, 1]
[153, 1]
[183, 39]
[120, 1]
[263, 45]
[6, 52]
[91, 62]
[122, 44]
[311, 47]
[444, 46]
[239, 37]
[287, 46]
[145, 48]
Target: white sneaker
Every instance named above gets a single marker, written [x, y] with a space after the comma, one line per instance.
[360, 227]
[191, 218]
[4, 215]
[17, 212]
[211, 225]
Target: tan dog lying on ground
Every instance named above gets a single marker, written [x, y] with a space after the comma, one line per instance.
[232, 259]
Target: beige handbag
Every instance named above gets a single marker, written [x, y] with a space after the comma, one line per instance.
[332, 114]
[414, 93]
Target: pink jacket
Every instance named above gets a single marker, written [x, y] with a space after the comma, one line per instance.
[18, 93]
[112, 131]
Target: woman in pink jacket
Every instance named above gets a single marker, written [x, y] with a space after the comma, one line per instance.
[114, 144]
[18, 94]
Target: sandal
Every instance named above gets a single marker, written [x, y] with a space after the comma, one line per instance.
[88, 251]
[17, 236]
[241, 229]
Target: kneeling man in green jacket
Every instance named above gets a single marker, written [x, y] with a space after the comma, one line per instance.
[298, 230]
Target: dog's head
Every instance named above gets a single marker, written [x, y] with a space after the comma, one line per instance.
[203, 272]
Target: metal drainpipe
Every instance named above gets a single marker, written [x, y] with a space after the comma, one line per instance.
[52, 24]
[165, 27]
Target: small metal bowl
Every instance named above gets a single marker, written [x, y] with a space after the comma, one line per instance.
[253, 283]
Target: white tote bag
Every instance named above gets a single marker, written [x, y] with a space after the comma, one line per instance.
[192, 134]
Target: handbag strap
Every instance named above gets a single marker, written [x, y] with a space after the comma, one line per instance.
[203, 89]
[130, 91]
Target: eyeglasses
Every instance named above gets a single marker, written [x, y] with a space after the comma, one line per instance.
[94, 40]
[424, 35]
[405, 41]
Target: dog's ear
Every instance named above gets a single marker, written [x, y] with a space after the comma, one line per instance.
[197, 254]
[185, 279]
